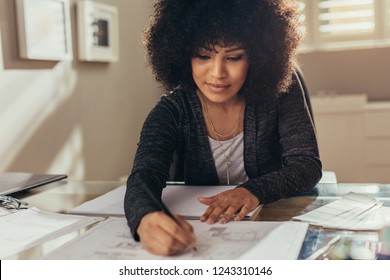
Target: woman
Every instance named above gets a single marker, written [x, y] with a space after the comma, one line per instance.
[235, 114]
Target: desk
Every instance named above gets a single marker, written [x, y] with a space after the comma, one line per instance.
[316, 237]
[62, 196]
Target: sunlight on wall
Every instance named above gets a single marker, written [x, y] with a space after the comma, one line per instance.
[27, 99]
[1, 58]
[69, 159]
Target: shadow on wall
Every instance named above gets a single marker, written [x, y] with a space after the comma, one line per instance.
[79, 118]
[39, 113]
[35, 122]
[33, 105]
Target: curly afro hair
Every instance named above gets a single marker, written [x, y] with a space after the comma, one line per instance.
[267, 29]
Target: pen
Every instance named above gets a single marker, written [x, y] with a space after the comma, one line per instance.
[324, 249]
[163, 207]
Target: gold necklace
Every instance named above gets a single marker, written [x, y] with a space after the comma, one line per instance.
[215, 131]
[234, 131]
[208, 118]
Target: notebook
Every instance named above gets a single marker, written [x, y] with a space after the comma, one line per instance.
[11, 182]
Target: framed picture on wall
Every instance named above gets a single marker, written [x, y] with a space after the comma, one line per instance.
[44, 30]
[98, 38]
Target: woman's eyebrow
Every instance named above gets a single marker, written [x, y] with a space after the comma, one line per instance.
[234, 49]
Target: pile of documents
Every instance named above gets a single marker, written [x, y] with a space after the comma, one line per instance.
[351, 212]
[25, 228]
[111, 238]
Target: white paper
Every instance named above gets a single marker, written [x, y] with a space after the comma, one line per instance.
[328, 177]
[180, 199]
[111, 239]
[108, 204]
[283, 243]
[26, 228]
[353, 211]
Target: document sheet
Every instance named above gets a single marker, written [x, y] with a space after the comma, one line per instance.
[23, 229]
[180, 199]
[353, 211]
[111, 239]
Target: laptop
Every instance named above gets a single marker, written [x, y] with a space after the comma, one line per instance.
[12, 182]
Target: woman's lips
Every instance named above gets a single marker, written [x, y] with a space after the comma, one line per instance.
[217, 87]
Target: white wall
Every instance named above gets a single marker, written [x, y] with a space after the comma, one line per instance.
[78, 118]
[344, 144]
[349, 72]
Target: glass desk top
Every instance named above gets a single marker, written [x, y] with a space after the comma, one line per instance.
[59, 197]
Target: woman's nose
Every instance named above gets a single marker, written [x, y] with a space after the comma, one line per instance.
[218, 69]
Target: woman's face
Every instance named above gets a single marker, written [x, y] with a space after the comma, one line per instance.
[220, 72]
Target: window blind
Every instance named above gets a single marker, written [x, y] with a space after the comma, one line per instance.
[302, 17]
[345, 23]
[346, 17]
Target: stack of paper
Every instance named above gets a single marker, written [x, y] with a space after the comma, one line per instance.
[23, 229]
[353, 211]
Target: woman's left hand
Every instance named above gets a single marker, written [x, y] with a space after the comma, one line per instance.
[225, 205]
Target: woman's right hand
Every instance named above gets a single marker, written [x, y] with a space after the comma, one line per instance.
[161, 235]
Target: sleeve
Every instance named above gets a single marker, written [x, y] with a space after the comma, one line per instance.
[301, 168]
[151, 164]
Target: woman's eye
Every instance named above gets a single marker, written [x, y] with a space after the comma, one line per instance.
[234, 58]
[202, 57]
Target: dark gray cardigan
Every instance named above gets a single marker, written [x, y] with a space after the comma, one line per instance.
[281, 155]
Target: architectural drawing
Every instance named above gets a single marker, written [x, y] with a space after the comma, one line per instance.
[112, 240]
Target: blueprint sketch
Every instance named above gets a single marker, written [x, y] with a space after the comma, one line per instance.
[111, 239]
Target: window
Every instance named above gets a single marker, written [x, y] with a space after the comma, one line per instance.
[341, 24]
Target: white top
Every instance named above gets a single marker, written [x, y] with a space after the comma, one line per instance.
[221, 151]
